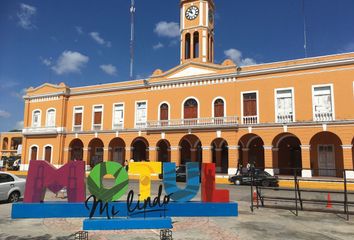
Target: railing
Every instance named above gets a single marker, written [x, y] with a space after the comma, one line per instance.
[117, 126]
[42, 130]
[77, 128]
[97, 127]
[288, 118]
[250, 120]
[194, 122]
[323, 117]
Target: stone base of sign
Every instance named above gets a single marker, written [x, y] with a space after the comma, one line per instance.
[126, 224]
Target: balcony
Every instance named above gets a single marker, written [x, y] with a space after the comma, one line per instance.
[288, 118]
[231, 121]
[97, 127]
[118, 126]
[323, 117]
[250, 120]
[42, 131]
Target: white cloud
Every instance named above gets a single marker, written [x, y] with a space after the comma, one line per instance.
[79, 30]
[4, 114]
[158, 46]
[7, 84]
[109, 69]
[70, 62]
[236, 56]
[47, 61]
[25, 16]
[98, 39]
[167, 29]
[19, 125]
[19, 94]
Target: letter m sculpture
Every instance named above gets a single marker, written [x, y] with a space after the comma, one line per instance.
[43, 175]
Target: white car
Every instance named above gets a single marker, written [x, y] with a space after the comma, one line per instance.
[12, 187]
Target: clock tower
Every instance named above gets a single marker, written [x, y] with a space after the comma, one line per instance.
[197, 31]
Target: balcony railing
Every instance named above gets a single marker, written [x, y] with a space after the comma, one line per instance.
[288, 118]
[193, 122]
[42, 131]
[97, 127]
[118, 126]
[77, 128]
[323, 117]
[250, 120]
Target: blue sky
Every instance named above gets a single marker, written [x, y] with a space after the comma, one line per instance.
[85, 42]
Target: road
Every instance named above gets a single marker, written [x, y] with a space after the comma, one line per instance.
[262, 223]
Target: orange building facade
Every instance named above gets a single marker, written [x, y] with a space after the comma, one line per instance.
[281, 116]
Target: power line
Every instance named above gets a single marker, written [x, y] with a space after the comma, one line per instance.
[132, 38]
[305, 27]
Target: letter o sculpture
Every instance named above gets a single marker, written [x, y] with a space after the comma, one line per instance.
[95, 185]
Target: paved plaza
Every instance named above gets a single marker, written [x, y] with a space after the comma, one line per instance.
[264, 223]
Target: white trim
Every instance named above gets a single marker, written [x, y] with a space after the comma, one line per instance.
[332, 99]
[51, 152]
[93, 116]
[159, 112]
[30, 152]
[135, 109]
[201, 8]
[257, 99]
[39, 118]
[113, 112]
[293, 102]
[82, 117]
[55, 117]
[212, 106]
[184, 101]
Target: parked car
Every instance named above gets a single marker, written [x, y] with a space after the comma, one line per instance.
[12, 187]
[180, 174]
[261, 178]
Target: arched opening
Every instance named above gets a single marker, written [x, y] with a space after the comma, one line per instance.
[164, 116]
[252, 150]
[15, 142]
[48, 154]
[117, 151]
[287, 154]
[187, 46]
[190, 111]
[5, 143]
[163, 151]
[211, 49]
[190, 149]
[34, 153]
[220, 155]
[140, 150]
[219, 110]
[50, 122]
[326, 155]
[96, 148]
[76, 150]
[196, 45]
[36, 118]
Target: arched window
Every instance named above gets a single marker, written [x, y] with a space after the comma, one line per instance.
[5, 143]
[190, 109]
[219, 108]
[34, 153]
[196, 45]
[48, 153]
[164, 112]
[36, 118]
[50, 118]
[187, 46]
[211, 49]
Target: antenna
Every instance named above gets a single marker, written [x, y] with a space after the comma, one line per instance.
[305, 29]
[132, 13]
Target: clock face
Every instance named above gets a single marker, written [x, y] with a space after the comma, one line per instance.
[192, 13]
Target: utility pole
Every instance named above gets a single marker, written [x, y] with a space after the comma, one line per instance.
[132, 15]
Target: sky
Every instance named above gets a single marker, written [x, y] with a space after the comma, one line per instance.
[85, 42]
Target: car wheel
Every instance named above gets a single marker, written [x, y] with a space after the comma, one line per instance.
[237, 182]
[265, 183]
[14, 197]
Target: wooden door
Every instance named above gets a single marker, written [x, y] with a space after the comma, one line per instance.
[34, 153]
[250, 104]
[164, 114]
[48, 154]
[326, 160]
